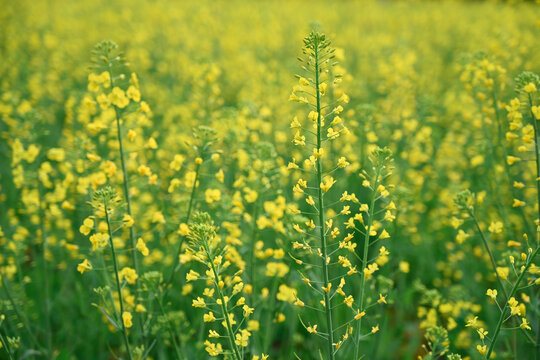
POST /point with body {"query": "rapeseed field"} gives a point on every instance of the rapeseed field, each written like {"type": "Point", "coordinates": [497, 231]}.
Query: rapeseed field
{"type": "Point", "coordinates": [269, 180]}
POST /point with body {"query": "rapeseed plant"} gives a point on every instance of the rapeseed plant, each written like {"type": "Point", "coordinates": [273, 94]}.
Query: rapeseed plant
{"type": "Point", "coordinates": [215, 78]}
{"type": "Point", "coordinates": [466, 202]}
{"type": "Point", "coordinates": [106, 93]}
{"type": "Point", "coordinates": [327, 126]}
{"type": "Point", "coordinates": [526, 86]}
{"type": "Point", "coordinates": [206, 247]}
{"type": "Point", "coordinates": [107, 58]}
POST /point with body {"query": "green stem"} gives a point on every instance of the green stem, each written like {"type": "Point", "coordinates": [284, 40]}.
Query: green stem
{"type": "Point", "coordinates": [118, 287]}
{"type": "Point", "coordinates": [322, 225]}
{"type": "Point", "coordinates": [128, 199]}
{"type": "Point", "coordinates": [505, 309]}
{"type": "Point", "coordinates": [365, 259]}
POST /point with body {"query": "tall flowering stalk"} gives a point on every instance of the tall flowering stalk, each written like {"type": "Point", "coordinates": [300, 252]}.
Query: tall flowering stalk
{"type": "Point", "coordinates": [106, 56]}
{"type": "Point", "coordinates": [485, 79]}
{"type": "Point", "coordinates": [378, 210]}
{"type": "Point", "coordinates": [525, 138]}
{"type": "Point", "coordinates": [114, 101]}
{"type": "Point", "coordinates": [310, 91]}
{"type": "Point", "coordinates": [118, 95]}
{"type": "Point", "coordinates": [527, 85]}
{"type": "Point", "coordinates": [319, 228]}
